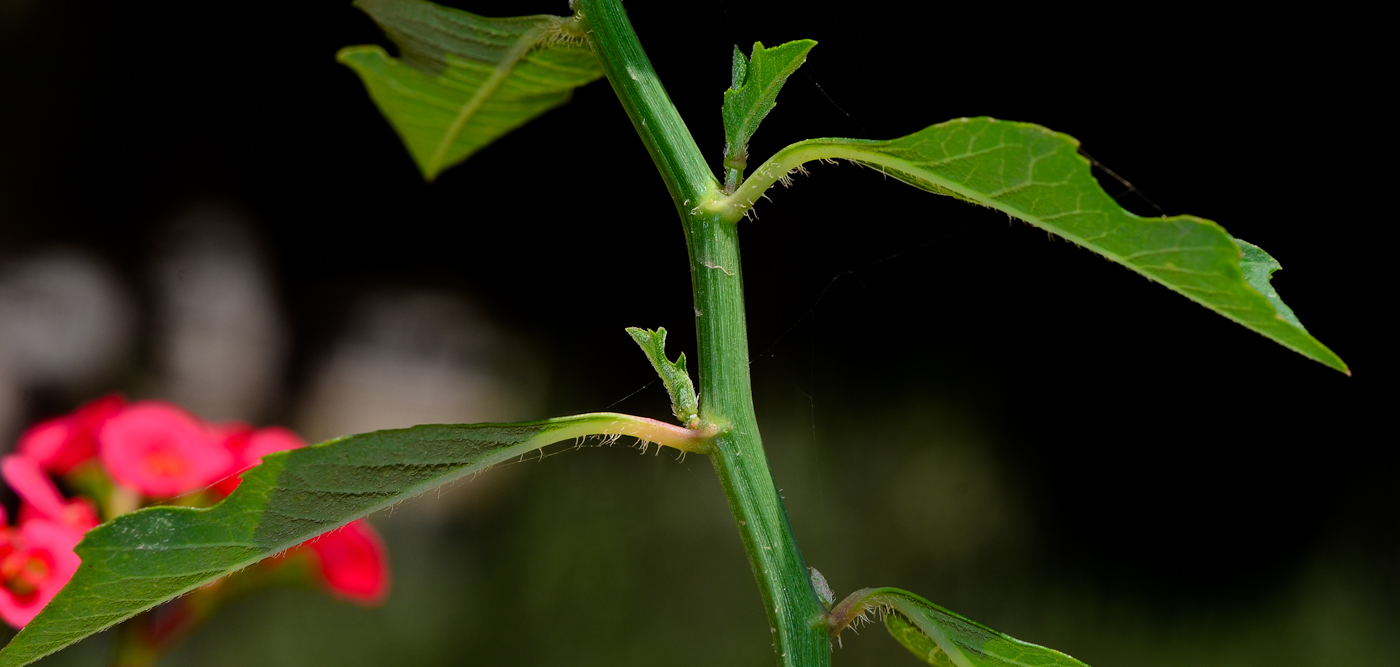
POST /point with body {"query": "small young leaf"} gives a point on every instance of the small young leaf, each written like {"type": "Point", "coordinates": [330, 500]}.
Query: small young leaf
{"type": "Point", "coordinates": [822, 588]}
{"type": "Point", "coordinates": [141, 559]}
{"type": "Point", "coordinates": [738, 70]}
{"type": "Point", "coordinates": [1038, 175]}
{"type": "Point", "coordinates": [684, 404]}
{"type": "Point", "coordinates": [754, 91]}
{"type": "Point", "coordinates": [940, 637]}
{"type": "Point", "coordinates": [461, 80]}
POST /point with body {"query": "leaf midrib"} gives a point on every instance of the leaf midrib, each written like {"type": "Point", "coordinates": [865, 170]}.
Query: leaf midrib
{"type": "Point", "coordinates": [498, 76]}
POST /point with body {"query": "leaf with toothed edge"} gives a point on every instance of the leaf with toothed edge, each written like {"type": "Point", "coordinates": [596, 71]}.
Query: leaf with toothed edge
{"type": "Point", "coordinates": [684, 403]}
{"type": "Point", "coordinates": [1039, 176]}
{"type": "Point", "coordinates": [141, 559]}
{"type": "Point", "coordinates": [1259, 268]}
{"type": "Point", "coordinates": [462, 81]}
{"type": "Point", "coordinates": [753, 91]}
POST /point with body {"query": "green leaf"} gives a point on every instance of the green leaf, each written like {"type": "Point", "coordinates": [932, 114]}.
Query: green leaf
{"type": "Point", "coordinates": [738, 69]}
{"type": "Point", "coordinates": [684, 403]}
{"type": "Point", "coordinates": [144, 558]}
{"type": "Point", "coordinates": [753, 92]}
{"type": "Point", "coordinates": [462, 80]}
{"type": "Point", "coordinates": [911, 637]}
{"type": "Point", "coordinates": [1259, 268]}
{"type": "Point", "coordinates": [940, 637]}
{"type": "Point", "coordinates": [1038, 175]}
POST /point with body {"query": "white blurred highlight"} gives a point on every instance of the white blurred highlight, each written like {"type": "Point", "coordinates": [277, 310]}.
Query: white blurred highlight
{"type": "Point", "coordinates": [65, 323]}
{"type": "Point", "coordinates": [220, 340]}
{"type": "Point", "coordinates": [418, 358]}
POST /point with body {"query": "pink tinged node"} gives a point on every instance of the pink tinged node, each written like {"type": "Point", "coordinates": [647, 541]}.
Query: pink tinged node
{"type": "Point", "coordinates": [162, 451]}
{"type": "Point", "coordinates": [353, 563]}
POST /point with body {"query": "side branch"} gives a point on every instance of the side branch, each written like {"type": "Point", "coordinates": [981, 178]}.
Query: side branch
{"type": "Point", "coordinates": [780, 167]}
{"type": "Point", "coordinates": [698, 441]}
{"type": "Point", "coordinates": [1039, 176]}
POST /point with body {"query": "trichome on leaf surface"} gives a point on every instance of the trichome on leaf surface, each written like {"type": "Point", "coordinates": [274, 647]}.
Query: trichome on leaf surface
{"type": "Point", "coordinates": [460, 81]}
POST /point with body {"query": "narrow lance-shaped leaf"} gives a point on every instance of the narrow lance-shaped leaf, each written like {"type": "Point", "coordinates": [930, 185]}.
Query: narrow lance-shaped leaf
{"type": "Point", "coordinates": [753, 92]}
{"type": "Point", "coordinates": [940, 637]}
{"type": "Point", "coordinates": [1038, 175]}
{"type": "Point", "coordinates": [144, 558]}
{"type": "Point", "coordinates": [462, 80]}
{"type": "Point", "coordinates": [684, 403]}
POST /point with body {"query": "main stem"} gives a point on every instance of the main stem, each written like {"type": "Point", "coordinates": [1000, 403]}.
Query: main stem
{"type": "Point", "coordinates": [795, 613]}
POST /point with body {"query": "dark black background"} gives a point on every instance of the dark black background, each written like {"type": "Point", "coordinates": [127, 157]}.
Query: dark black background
{"type": "Point", "coordinates": [1166, 448]}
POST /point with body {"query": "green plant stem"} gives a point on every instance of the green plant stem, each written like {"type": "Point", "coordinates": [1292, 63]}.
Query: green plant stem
{"type": "Point", "coordinates": [795, 613]}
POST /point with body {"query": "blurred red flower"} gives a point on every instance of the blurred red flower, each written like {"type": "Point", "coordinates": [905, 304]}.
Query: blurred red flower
{"type": "Point", "coordinates": [161, 451]}
{"type": "Point", "coordinates": [353, 562]}
{"type": "Point", "coordinates": [36, 560]}
{"type": "Point", "coordinates": [60, 444]}
{"type": "Point", "coordinates": [249, 446]}
{"type": "Point", "coordinates": [41, 498]}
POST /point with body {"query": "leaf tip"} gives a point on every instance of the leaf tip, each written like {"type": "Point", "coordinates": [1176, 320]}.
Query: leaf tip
{"type": "Point", "coordinates": [347, 55]}
{"type": "Point", "coordinates": [739, 70]}
{"type": "Point", "coordinates": [1336, 363]}
{"type": "Point", "coordinates": [427, 168]}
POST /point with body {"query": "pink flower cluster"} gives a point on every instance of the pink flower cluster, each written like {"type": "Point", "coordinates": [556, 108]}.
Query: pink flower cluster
{"type": "Point", "coordinates": [158, 452]}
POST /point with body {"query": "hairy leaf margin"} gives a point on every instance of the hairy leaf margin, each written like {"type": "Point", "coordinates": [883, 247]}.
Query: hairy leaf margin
{"type": "Point", "coordinates": [141, 559]}
{"type": "Point", "coordinates": [1039, 176]}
